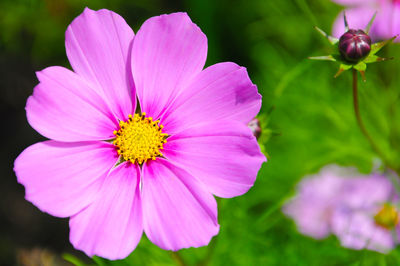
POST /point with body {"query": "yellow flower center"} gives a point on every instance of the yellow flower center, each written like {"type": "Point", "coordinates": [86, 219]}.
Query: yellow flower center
{"type": "Point", "coordinates": [387, 217]}
{"type": "Point", "coordinates": [139, 139]}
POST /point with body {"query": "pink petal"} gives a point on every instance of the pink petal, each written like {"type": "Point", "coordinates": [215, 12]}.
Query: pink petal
{"type": "Point", "coordinates": [63, 178]}
{"type": "Point", "coordinates": [311, 214]}
{"type": "Point", "coordinates": [316, 198]}
{"type": "Point", "coordinates": [178, 212]}
{"type": "Point", "coordinates": [98, 47]}
{"type": "Point", "coordinates": [223, 155]}
{"type": "Point", "coordinates": [357, 18]}
{"type": "Point", "coordinates": [387, 22]}
{"type": "Point", "coordinates": [64, 107]}
{"type": "Point", "coordinates": [111, 227]}
{"type": "Point", "coordinates": [222, 91]}
{"type": "Point", "coordinates": [357, 230]}
{"type": "Point", "coordinates": [395, 26]}
{"type": "Point", "coordinates": [354, 2]}
{"type": "Point", "coordinates": [168, 51]}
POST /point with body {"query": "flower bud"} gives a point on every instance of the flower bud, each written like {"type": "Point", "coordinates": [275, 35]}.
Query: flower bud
{"type": "Point", "coordinates": [354, 45]}
{"type": "Point", "coordinates": [255, 127]}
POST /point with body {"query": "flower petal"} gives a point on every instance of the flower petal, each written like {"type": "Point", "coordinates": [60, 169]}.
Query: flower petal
{"type": "Point", "coordinates": [178, 212]}
{"type": "Point", "coordinates": [168, 51]}
{"type": "Point", "coordinates": [63, 178]}
{"type": "Point", "coordinates": [225, 156]}
{"type": "Point", "coordinates": [353, 2]}
{"type": "Point", "coordinates": [358, 230]}
{"type": "Point", "coordinates": [64, 107]}
{"type": "Point", "coordinates": [222, 91]}
{"type": "Point", "coordinates": [98, 45]}
{"type": "Point", "coordinates": [111, 227]}
{"type": "Point", "coordinates": [387, 22]}
{"type": "Point", "coordinates": [357, 18]}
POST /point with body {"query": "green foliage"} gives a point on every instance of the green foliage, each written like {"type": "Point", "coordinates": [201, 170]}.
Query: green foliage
{"type": "Point", "coordinates": [313, 115]}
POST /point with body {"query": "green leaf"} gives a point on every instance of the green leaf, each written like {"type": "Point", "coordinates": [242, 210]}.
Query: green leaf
{"type": "Point", "coordinates": [379, 45]}
{"type": "Point", "coordinates": [72, 259]}
{"type": "Point", "coordinates": [346, 24]}
{"type": "Point", "coordinates": [374, 58]}
{"type": "Point", "coordinates": [331, 39]}
{"type": "Point", "coordinates": [371, 59]}
{"type": "Point", "coordinates": [323, 58]}
{"type": "Point", "coordinates": [361, 66]}
{"type": "Point", "coordinates": [343, 67]}
{"type": "Point", "coordinates": [370, 23]}
{"type": "Point", "coordinates": [99, 261]}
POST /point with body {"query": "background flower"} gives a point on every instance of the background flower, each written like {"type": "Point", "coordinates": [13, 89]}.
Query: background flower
{"type": "Point", "coordinates": [354, 220]}
{"type": "Point", "coordinates": [362, 211]}
{"type": "Point", "coordinates": [358, 13]}
{"type": "Point", "coordinates": [315, 201]}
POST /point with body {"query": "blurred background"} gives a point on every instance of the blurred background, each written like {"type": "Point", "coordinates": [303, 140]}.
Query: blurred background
{"type": "Point", "coordinates": [310, 123]}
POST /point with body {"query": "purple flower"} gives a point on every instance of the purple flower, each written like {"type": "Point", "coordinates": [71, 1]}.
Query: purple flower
{"type": "Point", "coordinates": [360, 210]}
{"type": "Point", "coordinates": [366, 216]}
{"type": "Point", "coordinates": [118, 169]}
{"type": "Point", "coordinates": [359, 12]}
{"type": "Point", "coordinates": [314, 202]}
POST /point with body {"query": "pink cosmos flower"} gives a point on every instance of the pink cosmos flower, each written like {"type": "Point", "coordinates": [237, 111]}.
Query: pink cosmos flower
{"type": "Point", "coordinates": [359, 12]}
{"type": "Point", "coordinates": [118, 169]}
{"type": "Point", "coordinates": [316, 198]}
{"type": "Point", "coordinates": [360, 210]}
{"type": "Point", "coordinates": [367, 216]}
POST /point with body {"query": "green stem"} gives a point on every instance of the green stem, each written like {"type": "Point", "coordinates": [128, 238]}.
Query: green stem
{"type": "Point", "coordinates": [177, 258]}
{"type": "Point", "coordinates": [276, 207]}
{"type": "Point", "coordinates": [210, 250]}
{"type": "Point", "coordinates": [360, 123]}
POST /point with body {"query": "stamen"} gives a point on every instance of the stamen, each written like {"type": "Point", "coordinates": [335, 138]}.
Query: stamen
{"type": "Point", "coordinates": [139, 139]}
{"type": "Point", "coordinates": [387, 217]}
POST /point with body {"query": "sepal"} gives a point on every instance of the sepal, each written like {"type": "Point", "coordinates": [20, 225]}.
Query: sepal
{"type": "Point", "coordinates": [344, 64]}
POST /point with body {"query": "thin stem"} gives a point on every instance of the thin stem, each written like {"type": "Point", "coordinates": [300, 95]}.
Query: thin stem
{"type": "Point", "coordinates": [205, 261]}
{"type": "Point", "coordinates": [177, 258]}
{"type": "Point", "coordinates": [276, 207]}
{"type": "Point", "coordinates": [360, 123]}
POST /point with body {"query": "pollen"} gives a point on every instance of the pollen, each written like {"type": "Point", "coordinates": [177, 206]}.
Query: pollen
{"type": "Point", "coordinates": [387, 217]}
{"type": "Point", "coordinates": [140, 139]}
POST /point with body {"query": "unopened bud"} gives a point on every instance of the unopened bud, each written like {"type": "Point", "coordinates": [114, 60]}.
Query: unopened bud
{"type": "Point", "coordinates": [354, 45]}
{"type": "Point", "coordinates": [255, 127]}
